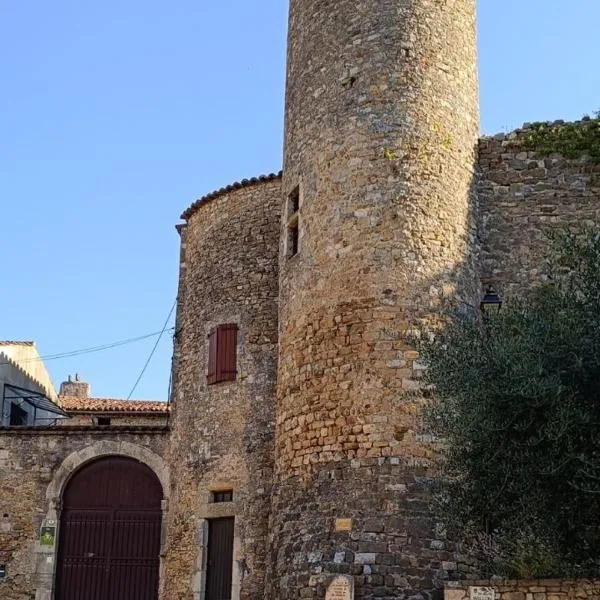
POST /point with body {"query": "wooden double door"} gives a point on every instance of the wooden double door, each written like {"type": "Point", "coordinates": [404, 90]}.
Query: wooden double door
{"type": "Point", "coordinates": [110, 532]}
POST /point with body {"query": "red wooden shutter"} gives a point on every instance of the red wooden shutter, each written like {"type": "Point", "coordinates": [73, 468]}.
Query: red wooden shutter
{"type": "Point", "coordinates": [212, 357]}
{"type": "Point", "coordinates": [227, 352]}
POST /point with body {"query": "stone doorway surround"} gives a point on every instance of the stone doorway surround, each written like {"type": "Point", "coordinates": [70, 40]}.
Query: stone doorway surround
{"type": "Point", "coordinates": [208, 510]}
{"type": "Point", "coordinates": [45, 556]}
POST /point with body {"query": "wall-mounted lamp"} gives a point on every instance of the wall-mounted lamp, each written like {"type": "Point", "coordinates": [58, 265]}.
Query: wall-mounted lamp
{"type": "Point", "coordinates": [491, 302]}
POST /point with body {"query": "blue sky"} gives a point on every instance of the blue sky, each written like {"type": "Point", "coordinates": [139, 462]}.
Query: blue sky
{"type": "Point", "coordinates": [115, 116]}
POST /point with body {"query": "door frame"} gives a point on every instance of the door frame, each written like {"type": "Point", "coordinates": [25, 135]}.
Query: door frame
{"type": "Point", "coordinates": [46, 556]}
{"type": "Point", "coordinates": [199, 588]}
{"type": "Point", "coordinates": [208, 510]}
{"type": "Point", "coordinates": [211, 554]}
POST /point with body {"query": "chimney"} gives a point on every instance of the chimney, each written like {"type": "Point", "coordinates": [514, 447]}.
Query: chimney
{"type": "Point", "coordinates": [76, 388]}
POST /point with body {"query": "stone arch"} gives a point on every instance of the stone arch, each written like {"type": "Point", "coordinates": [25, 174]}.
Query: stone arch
{"type": "Point", "coordinates": [46, 555]}
{"type": "Point", "coordinates": [77, 459]}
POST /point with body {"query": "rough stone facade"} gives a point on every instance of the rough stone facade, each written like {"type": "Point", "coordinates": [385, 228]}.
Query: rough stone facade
{"type": "Point", "coordinates": [381, 135]}
{"type": "Point", "coordinates": [74, 388]}
{"type": "Point", "coordinates": [521, 196]}
{"type": "Point", "coordinates": [35, 464]}
{"type": "Point", "coordinates": [387, 206]}
{"type": "Point", "coordinates": [534, 589]}
{"type": "Point", "coordinates": [222, 434]}
{"type": "Point", "coordinates": [117, 420]}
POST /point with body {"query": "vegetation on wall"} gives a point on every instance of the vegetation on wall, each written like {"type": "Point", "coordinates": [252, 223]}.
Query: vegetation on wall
{"type": "Point", "coordinates": [517, 402]}
{"type": "Point", "coordinates": [572, 140]}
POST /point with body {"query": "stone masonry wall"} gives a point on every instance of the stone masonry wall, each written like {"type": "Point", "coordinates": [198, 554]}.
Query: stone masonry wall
{"type": "Point", "coordinates": [381, 133]}
{"type": "Point", "coordinates": [523, 194]}
{"type": "Point", "coordinates": [222, 434]}
{"type": "Point", "coordinates": [542, 589]}
{"type": "Point", "coordinates": [117, 419]}
{"type": "Point", "coordinates": [29, 461]}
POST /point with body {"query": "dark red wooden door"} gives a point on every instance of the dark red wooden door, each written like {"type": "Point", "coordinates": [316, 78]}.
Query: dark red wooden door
{"type": "Point", "coordinates": [220, 559]}
{"type": "Point", "coordinates": [109, 541]}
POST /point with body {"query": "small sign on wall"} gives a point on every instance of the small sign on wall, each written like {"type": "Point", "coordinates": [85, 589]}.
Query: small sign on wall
{"type": "Point", "coordinates": [343, 524]}
{"type": "Point", "coordinates": [340, 587]}
{"type": "Point", "coordinates": [481, 593]}
{"type": "Point", "coordinates": [48, 533]}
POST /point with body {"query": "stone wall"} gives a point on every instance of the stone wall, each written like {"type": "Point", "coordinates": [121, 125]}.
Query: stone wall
{"type": "Point", "coordinates": [34, 466]}
{"type": "Point", "coordinates": [523, 194]}
{"type": "Point", "coordinates": [381, 133]}
{"type": "Point", "coordinates": [75, 388]}
{"type": "Point", "coordinates": [535, 589]}
{"type": "Point", "coordinates": [222, 434]}
{"type": "Point", "coordinates": [117, 419]}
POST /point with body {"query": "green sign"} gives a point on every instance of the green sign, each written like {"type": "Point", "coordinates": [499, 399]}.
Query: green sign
{"type": "Point", "coordinates": [48, 535]}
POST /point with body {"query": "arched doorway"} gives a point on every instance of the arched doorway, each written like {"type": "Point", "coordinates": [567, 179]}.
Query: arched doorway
{"type": "Point", "coordinates": [109, 540]}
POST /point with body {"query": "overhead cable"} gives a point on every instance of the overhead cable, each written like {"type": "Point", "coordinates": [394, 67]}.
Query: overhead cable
{"type": "Point", "coordinates": [152, 351]}
{"type": "Point", "coordinates": [91, 349]}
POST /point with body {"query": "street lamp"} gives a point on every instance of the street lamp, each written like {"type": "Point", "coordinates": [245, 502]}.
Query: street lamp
{"type": "Point", "coordinates": [491, 302]}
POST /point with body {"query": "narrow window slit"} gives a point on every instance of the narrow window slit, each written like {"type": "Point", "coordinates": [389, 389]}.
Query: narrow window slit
{"type": "Point", "coordinates": [293, 222]}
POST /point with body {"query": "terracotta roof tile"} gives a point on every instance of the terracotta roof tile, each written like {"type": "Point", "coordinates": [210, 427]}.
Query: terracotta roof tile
{"type": "Point", "coordinates": [224, 190]}
{"type": "Point", "coordinates": [14, 343]}
{"type": "Point", "coordinates": [74, 404]}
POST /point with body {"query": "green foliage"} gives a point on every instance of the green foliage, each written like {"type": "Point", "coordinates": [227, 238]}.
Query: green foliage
{"type": "Point", "coordinates": [517, 403]}
{"type": "Point", "coordinates": [522, 554]}
{"type": "Point", "coordinates": [572, 140]}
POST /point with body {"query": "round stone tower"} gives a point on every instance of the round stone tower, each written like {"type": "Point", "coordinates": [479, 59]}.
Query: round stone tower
{"type": "Point", "coordinates": [381, 131]}
{"type": "Point", "coordinates": [223, 400]}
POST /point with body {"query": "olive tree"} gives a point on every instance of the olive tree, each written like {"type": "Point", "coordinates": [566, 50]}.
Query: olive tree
{"type": "Point", "coordinates": [516, 404]}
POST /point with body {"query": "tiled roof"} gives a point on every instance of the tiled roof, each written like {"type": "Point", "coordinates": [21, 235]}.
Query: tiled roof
{"type": "Point", "coordinates": [74, 404]}
{"type": "Point", "coordinates": [13, 343]}
{"type": "Point", "coordinates": [224, 190]}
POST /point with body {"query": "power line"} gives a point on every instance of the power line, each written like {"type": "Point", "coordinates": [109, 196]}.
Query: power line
{"type": "Point", "coordinates": [91, 349]}
{"type": "Point", "coordinates": [152, 351]}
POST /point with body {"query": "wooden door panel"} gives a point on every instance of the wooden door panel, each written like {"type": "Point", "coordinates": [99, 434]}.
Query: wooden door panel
{"type": "Point", "coordinates": [109, 540]}
{"type": "Point", "coordinates": [85, 533]}
{"type": "Point", "coordinates": [136, 535]}
{"type": "Point", "coordinates": [220, 559]}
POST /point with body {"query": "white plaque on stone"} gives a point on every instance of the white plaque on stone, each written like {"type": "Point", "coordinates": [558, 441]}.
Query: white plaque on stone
{"type": "Point", "coordinates": [481, 593]}
{"type": "Point", "coordinates": [340, 588]}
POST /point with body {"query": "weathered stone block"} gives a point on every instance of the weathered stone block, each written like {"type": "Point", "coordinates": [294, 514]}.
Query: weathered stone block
{"type": "Point", "coordinates": [365, 558]}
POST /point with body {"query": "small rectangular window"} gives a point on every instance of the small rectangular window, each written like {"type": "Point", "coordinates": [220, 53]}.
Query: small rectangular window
{"type": "Point", "coordinates": [104, 421]}
{"type": "Point", "coordinates": [222, 496]}
{"type": "Point", "coordinates": [18, 416]}
{"type": "Point", "coordinates": [222, 353]}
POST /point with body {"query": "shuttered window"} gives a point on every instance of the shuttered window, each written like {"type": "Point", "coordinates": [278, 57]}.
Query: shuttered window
{"type": "Point", "coordinates": [212, 357]}
{"type": "Point", "coordinates": [222, 353]}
